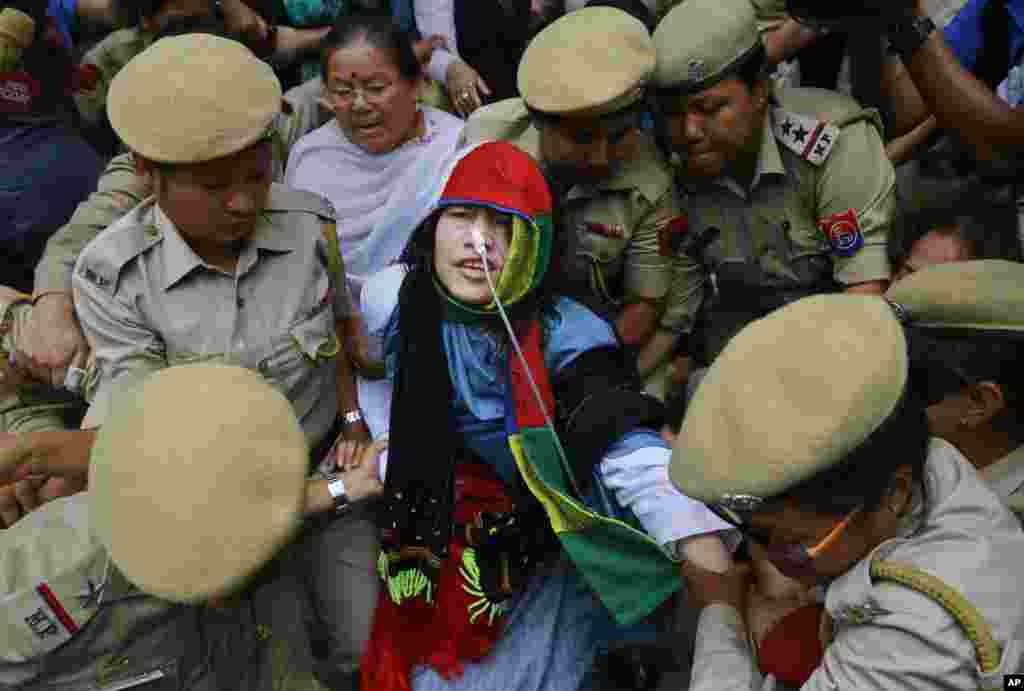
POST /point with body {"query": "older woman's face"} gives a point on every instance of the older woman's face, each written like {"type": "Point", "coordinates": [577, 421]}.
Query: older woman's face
{"type": "Point", "coordinates": [373, 103]}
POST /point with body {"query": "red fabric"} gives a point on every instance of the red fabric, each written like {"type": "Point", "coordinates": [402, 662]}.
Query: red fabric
{"type": "Point", "coordinates": [792, 650]}
{"type": "Point", "coordinates": [438, 634]}
{"type": "Point", "coordinates": [528, 413]}
{"type": "Point", "coordinates": [499, 174]}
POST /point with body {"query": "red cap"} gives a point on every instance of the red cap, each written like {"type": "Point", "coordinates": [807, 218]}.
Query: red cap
{"type": "Point", "coordinates": [498, 174]}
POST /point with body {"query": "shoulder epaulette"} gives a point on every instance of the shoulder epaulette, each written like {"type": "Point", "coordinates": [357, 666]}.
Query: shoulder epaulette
{"type": "Point", "coordinates": [809, 138]}
{"type": "Point", "coordinates": [105, 257]}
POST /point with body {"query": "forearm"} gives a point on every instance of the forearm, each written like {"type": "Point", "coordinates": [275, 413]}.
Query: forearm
{"type": "Point", "coordinates": [635, 469]}
{"type": "Point", "coordinates": [345, 381]}
{"type": "Point", "coordinates": [787, 40]}
{"type": "Point", "coordinates": [293, 43]}
{"type": "Point", "coordinates": [657, 349]}
{"type": "Point", "coordinates": [868, 288]}
{"type": "Point", "coordinates": [907, 108]}
{"type": "Point", "coordinates": [961, 102]}
{"type": "Point", "coordinates": [722, 658]}
{"type": "Point", "coordinates": [903, 148]}
{"type": "Point", "coordinates": [100, 12]}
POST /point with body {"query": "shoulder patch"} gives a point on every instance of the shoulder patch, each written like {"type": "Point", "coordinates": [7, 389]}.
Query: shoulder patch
{"type": "Point", "coordinates": [843, 232]}
{"type": "Point", "coordinates": [807, 137]}
{"type": "Point", "coordinates": [101, 264]}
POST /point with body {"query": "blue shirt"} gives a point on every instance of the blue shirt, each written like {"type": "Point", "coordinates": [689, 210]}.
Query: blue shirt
{"type": "Point", "coordinates": [65, 14]}
{"type": "Point", "coordinates": [964, 33]}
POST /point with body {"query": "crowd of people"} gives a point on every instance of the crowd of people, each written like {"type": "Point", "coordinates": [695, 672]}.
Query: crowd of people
{"type": "Point", "coordinates": [540, 345]}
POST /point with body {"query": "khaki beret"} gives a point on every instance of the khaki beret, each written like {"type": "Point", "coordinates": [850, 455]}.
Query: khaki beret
{"type": "Point", "coordinates": [791, 395]}
{"type": "Point", "coordinates": [981, 294]}
{"type": "Point", "coordinates": [701, 41]}
{"type": "Point", "coordinates": [197, 479]}
{"type": "Point", "coordinates": [588, 63]}
{"type": "Point", "coordinates": [17, 26]}
{"type": "Point", "coordinates": [193, 98]}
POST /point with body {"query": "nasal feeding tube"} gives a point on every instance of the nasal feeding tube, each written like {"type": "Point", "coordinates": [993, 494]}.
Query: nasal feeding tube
{"type": "Point", "coordinates": [480, 245]}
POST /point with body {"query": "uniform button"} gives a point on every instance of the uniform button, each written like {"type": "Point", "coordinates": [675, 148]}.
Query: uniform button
{"type": "Point", "coordinates": [240, 302]}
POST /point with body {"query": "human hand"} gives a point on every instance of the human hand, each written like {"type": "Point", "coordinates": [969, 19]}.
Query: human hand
{"type": "Point", "coordinates": [63, 454]}
{"type": "Point", "coordinates": [245, 23]}
{"type": "Point", "coordinates": [424, 48]}
{"type": "Point", "coordinates": [20, 498]}
{"type": "Point", "coordinates": [51, 341]}
{"type": "Point", "coordinates": [706, 587]}
{"type": "Point", "coordinates": [358, 465]}
{"type": "Point", "coordinates": [465, 87]}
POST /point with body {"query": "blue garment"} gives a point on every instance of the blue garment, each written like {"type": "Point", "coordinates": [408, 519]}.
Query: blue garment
{"type": "Point", "coordinates": [964, 33]}
{"type": "Point", "coordinates": [48, 170]}
{"type": "Point", "coordinates": [557, 626]}
{"type": "Point", "coordinates": [405, 15]}
{"type": "Point", "coordinates": [65, 15]}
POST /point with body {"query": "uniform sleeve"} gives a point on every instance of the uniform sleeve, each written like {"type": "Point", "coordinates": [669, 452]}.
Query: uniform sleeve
{"type": "Point", "coordinates": [722, 659]}
{"type": "Point", "coordinates": [119, 191]}
{"type": "Point", "coordinates": [635, 469]}
{"type": "Point", "coordinates": [685, 294]}
{"type": "Point", "coordinates": [305, 117]}
{"type": "Point", "coordinates": [124, 347]}
{"type": "Point", "coordinates": [647, 272]}
{"type": "Point", "coordinates": [858, 176]}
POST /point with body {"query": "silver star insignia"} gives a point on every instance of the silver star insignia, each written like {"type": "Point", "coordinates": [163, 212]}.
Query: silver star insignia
{"type": "Point", "coordinates": [91, 597]}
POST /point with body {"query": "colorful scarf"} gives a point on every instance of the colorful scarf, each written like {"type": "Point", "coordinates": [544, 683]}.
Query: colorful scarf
{"type": "Point", "coordinates": [444, 598]}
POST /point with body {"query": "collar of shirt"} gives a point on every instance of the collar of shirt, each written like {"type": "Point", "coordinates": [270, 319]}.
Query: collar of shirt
{"type": "Point", "coordinates": [1006, 476]}
{"type": "Point", "coordinates": [181, 259]}
{"type": "Point", "coordinates": [850, 597]}
{"type": "Point", "coordinates": [769, 161]}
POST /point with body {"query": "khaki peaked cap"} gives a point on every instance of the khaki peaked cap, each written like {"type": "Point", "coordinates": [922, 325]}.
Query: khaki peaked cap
{"type": "Point", "coordinates": [193, 98]}
{"type": "Point", "coordinates": [590, 62]}
{"type": "Point", "coordinates": [791, 395]}
{"type": "Point", "coordinates": [700, 41]}
{"type": "Point", "coordinates": [197, 479]}
{"type": "Point", "coordinates": [17, 26]}
{"type": "Point", "coordinates": [980, 294]}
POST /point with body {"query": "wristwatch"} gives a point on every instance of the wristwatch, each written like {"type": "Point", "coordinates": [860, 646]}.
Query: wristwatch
{"type": "Point", "coordinates": [336, 488]}
{"type": "Point", "coordinates": [351, 417]}
{"type": "Point", "coordinates": [907, 35]}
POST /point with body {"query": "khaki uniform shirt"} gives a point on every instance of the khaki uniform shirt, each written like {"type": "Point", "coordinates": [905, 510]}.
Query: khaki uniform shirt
{"type": "Point", "coordinates": [774, 233]}
{"type": "Point", "coordinates": [616, 223]}
{"type": "Point", "coordinates": [147, 301]}
{"type": "Point", "coordinates": [121, 190]}
{"type": "Point", "coordinates": [888, 637]}
{"type": "Point", "coordinates": [1006, 478]}
{"type": "Point", "coordinates": [128, 639]}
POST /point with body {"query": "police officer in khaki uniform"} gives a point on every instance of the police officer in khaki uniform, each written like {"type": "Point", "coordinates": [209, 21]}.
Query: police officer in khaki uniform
{"type": "Point", "coordinates": [790, 190]}
{"type": "Point", "coordinates": [838, 484]}
{"type": "Point", "coordinates": [583, 81]}
{"type": "Point", "coordinates": [967, 343]}
{"type": "Point", "coordinates": [223, 264]}
{"type": "Point", "coordinates": [155, 578]}
{"type": "Point", "coordinates": [53, 395]}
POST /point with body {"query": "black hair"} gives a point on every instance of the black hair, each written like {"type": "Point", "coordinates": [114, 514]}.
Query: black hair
{"type": "Point", "coordinates": [634, 8]}
{"type": "Point", "coordinates": [945, 360]}
{"type": "Point", "coordinates": [179, 25]}
{"type": "Point", "coordinates": [379, 30]}
{"type": "Point", "coordinates": [133, 12]}
{"type": "Point", "coordinates": [864, 477]}
{"type": "Point", "coordinates": [987, 230]}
